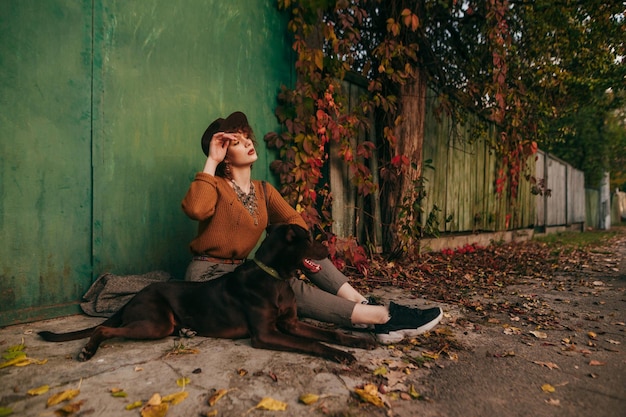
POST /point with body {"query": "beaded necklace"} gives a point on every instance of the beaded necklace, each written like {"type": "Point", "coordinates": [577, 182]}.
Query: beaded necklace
{"type": "Point", "coordinates": [248, 200]}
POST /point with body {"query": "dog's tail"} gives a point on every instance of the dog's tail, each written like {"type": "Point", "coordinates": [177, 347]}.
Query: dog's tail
{"type": "Point", "coordinates": [64, 337]}
{"type": "Point", "coordinates": [113, 321]}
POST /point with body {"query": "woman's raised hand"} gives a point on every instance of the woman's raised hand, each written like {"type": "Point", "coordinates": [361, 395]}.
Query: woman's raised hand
{"type": "Point", "coordinates": [219, 145]}
{"type": "Point", "coordinates": [217, 150]}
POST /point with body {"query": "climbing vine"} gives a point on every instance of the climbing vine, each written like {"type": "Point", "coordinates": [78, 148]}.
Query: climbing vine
{"type": "Point", "coordinates": [511, 67]}
{"type": "Point", "coordinates": [314, 112]}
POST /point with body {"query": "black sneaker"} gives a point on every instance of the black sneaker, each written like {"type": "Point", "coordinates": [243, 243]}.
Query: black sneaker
{"type": "Point", "coordinates": [406, 322]}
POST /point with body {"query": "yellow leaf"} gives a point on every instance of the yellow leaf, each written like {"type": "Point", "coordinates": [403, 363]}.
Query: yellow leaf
{"type": "Point", "coordinates": [548, 388]}
{"type": "Point", "coordinates": [119, 394]}
{"type": "Point", "coordinates": [5, 411]}
{"type": "Point", "coordinates": [28, 361]}
{"type": "Point", "coordinates": [216, 396]}
{"type": "Point", "coordinates": [413, 393]}
{"type": "Point", "coordinates": [271, 404]}
{"type": "Point", "coordinates": [155, 399]}
{"type": "Point", "coordinates": [430, 355]}
{"type": "Point", "coordinates": [39, 390]}
{"type": "Point", "coordinates": [176, 397]}
{"type": "Point", "coordinates": [182, 382]}
{"type": "Point", "coordinates": [15, 360]}
{"type": "Point", "coordinates": [62, 396]}
{"type": "Point", "coordinates": [134, 405]}
{"type": "Point", "coordinates": [592, 335]}
{"type": "Point", "coordinates": [319, 58]}
{"type": "Point", "coordinates": [369, 393]}
{"type": "Point", "coordinates": [158, 410]}
{"type": "Point", "coordinates": [308, 399]}
{"type": "Point", "coordinates": [381, 371]}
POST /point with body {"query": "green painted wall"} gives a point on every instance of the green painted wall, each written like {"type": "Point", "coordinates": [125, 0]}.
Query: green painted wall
{"type": "Point", "coordinates": [102, 107]}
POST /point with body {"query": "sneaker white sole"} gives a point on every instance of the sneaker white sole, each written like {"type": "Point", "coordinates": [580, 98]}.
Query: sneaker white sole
{"type": "Point", "coordinates": [399, 335]}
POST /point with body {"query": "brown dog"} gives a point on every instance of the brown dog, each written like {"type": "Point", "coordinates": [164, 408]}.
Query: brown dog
{"type": "Point", "coordinates": [254, 300]}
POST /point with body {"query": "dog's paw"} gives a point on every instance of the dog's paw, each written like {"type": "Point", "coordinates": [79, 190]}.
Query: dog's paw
{"type": "Point", "coordinates": [85, 355]}
{"type": "Point", "coordinates": [185, 332]}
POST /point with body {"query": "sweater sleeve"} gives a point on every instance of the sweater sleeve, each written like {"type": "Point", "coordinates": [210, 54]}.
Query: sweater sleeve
{"type": "Point", "coordinates": [201, 198]}
{"type": "Point", "coordinates": [279, 211]}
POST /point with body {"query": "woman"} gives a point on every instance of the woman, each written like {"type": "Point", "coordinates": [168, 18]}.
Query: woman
{"type": "Point", "coordinates": [232, 213]}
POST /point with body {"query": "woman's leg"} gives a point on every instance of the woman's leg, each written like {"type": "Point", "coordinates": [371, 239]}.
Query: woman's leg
{"type": "Point", "coordinates": [317, 304]}
{"type": "Point", "coordinates": [331, 280]}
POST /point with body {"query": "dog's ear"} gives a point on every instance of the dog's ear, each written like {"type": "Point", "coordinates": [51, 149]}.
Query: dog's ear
{"type": "Point", "coordinates": [270, 228]}
{"type": "Point", "coordinates": [296, 232]}
{"type": "Point", "coordinates": [290, 235]}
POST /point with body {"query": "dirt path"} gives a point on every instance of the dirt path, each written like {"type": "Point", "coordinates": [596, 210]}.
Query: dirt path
{"type": "Point", "coordinates": [562, 354]}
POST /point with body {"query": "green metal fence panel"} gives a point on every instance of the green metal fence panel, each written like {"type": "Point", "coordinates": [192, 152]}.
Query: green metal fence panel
{"type": "Point", "coordinates": [103, 104]}
{"type": "Point", "coordinates": [45, 157]}
{"type": "Point", "coordinates": [169, 69]}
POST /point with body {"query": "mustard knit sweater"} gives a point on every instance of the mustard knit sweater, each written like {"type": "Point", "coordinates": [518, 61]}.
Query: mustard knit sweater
{"type": "Point", "coordinates": [226, 229]}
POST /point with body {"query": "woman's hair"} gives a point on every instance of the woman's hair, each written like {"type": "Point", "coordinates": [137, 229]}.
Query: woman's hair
{"type": "Point", "coordinates": [223, 168]}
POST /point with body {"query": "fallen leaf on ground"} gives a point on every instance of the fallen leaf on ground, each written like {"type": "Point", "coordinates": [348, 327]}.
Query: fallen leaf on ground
{"type": "Point", "coordinates": [62, 396]}
{"type": "Point", "coordinates": [512, 330]}
{"type": "Point", "coordinates": [596, 363]}
{"type": "Point", "coordinates": [613, 342]}
{"type": "Point", "coordinates": [176, 397]}
{"type": "Point", "coordinates": [552, 401]}
{"type": "Point", "coordinates": [13, 354]}
{"type": "Point", "coordinates": [182, 382]}
{"type": "Point", "coordinates": [271, 404]}
{"type": "Point", "coordinates": [369, 393]}
{"type": "Point", "coordinates": [413, 393]}
{"type": "Point", "coordinates": [155, 407]}
{"type": "Point", "coordinates": [308, 399]}
{"type": "Point", "coordinates": [216, 396]}
{"type": "Point", "coordinates": [382, 370]}
{"type": "Point", "coordinates": [592, 335]}
{"type": "Point", "coordinates": [134, 405]}
{"type": "Point", "coordinates": [118, 393]}
{"type": "Point", "coordinates": [38, 391]}
{"type": "Point", "coordinates": [539, 335]}
{"type": "Point", "coordinates": [5, 411]}
{"type": "Point", "coordinates": [547, 388]}
{"type": "Point", "coordinates": [159, 410]}
{"type": "Point", "coordinates": [549, 365]}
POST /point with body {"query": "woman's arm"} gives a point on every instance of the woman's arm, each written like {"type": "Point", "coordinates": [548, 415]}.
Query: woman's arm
{"type": "Point", "coordinates": [201, 198]}
{"type": "Point", "coordinates": [279, 211]}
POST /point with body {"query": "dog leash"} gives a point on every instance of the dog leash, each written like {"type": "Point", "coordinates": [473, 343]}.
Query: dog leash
{"type": "Point", "coordinates": [268, 269]}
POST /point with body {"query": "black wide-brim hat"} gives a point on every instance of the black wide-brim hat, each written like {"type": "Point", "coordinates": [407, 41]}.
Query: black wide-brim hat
{"type": "Point", "coordinates": [236, 121]}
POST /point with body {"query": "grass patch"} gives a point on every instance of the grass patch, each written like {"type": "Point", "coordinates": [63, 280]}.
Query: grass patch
{"type": "Point", "coordinates": [578, 240]}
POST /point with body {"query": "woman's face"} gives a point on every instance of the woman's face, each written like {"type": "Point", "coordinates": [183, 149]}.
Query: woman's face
{"type": "Point", "coordinates": [241, 151]}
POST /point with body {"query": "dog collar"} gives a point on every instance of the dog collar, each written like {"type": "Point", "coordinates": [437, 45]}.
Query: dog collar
{"type": "Point", "coordinates": [268, 269]}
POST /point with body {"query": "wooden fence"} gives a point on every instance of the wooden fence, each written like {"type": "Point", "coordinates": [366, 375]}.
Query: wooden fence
{"type": "Point", "coordinates": [564, 203]}
{"type": "Point", "coordinates": [460, 186]}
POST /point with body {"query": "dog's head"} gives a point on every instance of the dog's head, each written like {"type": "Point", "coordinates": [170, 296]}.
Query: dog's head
{"type": "Point", "coordinates": [287, 246]}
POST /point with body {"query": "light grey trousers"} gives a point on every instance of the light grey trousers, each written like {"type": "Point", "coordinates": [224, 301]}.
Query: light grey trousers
{"type": "Point", "coordinates": [319, 302]}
